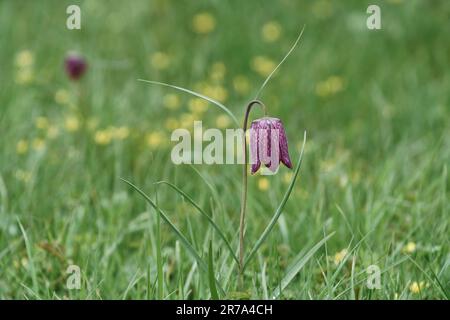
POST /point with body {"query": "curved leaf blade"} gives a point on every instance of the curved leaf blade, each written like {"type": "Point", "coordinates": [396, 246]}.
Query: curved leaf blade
{"type": "Point", "coordinates": [199, 95]}
{"type": "Point", "coordinates": [279, 209]}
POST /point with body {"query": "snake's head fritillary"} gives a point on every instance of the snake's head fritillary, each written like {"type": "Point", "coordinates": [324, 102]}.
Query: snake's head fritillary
{"type": "Point", "coordinates": [75, 66]}
{"type": "Point", "coordinates": [268, 144]}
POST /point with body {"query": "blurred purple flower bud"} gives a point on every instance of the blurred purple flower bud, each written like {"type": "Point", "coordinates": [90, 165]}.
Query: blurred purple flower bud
{"type": "Point", "coordinates": [268, 144]}
{"type": "Point", "coordinates": [75, 66]}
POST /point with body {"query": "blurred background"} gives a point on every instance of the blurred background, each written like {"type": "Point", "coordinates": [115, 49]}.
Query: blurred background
{"type": "Point", "coordinates": [375, 105]}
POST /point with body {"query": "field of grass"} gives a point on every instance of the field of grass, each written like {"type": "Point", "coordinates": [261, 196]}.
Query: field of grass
{"type": "Point", "coordinates": [375, 105]}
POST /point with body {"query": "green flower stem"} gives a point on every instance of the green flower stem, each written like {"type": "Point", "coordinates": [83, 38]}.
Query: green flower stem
{"type": "Point", "coordinates": [244, 184]}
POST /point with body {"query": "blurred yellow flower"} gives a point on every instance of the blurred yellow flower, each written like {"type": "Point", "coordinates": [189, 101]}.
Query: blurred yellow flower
{"type": "Point", "coordinates": [263, 184]}
{"type": "Point", "coordinates": [155, 139]}
{"type": "Point", "coordinates": [322, 8]}
{"type": "Point", "coordinates": [203, 23]}
{"type": "Point", "coordinates": [160, 60]}
{"type": "Point", "coordinates": [24, 59]}
{"type": "Point", "coordinates": [339, 256]}
{"type": "Point", "coordinates": [38, 144]}
{"type": "Point", "coordinates": [72, 123]}
{"type": "Point", "coordinates": [215, 92]}
{"type": "Point", "coordinates": [187, 120]}
{"type": "Point", "coordinates": [330, 86]}
{"type": "Point", "coordinates": [410, 247]}
{"type": "Point", "coordinates": [103, 137]}
{"type": "Point", "coordinates": [52, 132]}
{"type": "Point", "coordinates": [24, 76]}
{"type": "Point", "coordinates": [271, 31]}
{"type": "Point", "coordinates": [417, 287]}
{"type": "Point", "coordinates": [223, 121]}
{"type": "Point", "coordinates": [198, 105]}
{"type": "Point", "coordinates": [287, 177]}
{"type": "Point", "coordinates": [171, 101]}
{"type": "Point", "coordinates": [120, 133]}
{"type": "Point", "coordinates": [263, 65]}
{"type": "Point", "coordinates": [241, 84]}
{"type": "Point", "coordinates": [218, 71]}
{"type": "Point", "coordinates": [24, 176]}
{"type": "Point", "coordinates": [172, 124]}
{"type": "Point", "coordinates": [22, 146]}
{"type": "Point", "coordinates": [62, 96]}
{"type": "Point", "coordinates": [41, 123]}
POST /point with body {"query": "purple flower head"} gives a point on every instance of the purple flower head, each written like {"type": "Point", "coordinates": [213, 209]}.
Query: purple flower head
{"type": "Point", "coordinates": [268, 144]}
{"type": "Point", "coordinates": [75, 66]}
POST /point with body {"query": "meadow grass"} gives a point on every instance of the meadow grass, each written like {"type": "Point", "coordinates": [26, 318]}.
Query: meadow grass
{"type": "Point", "coordinates": [373, 182]}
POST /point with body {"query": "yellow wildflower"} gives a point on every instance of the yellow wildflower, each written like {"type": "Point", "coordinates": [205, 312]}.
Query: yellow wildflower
{"type": "Point", "coordinates": [22, 175]}
{"type": "Point", "coordinates": [172, 124]}
{"type": "Point", "coordinates": [263, 65]}
{"type": "Point", "coordinates": [339, 256]}
{"type": "Point", "coordinates": [287, 177]}
{"type": "Point", "coordinates": [160, 60]}
{"type": "Point", "coordinates": [22, 146]}
{"type": "Point", "coordinates": [52, 132]}
{"type": "Point", "coordinates": [417, 287]}
{"type": "Point", "coordinates": [198, 105]}
{"type": "Point", "coordinates": [263, 184]}
{"type": "Point", "coordinates": [171, 101]}
{"type": "Point", "coordinates": [223, 121]}
{"type": "Point", "coordinates": [103, 137]}
{"type": "Point", "coordinates": [155, 139]}
{"type": "Point", "coordinates": [241, 84]}
{"type": "Point", "coordinates": [24, 76]}
{"type": "Point", "coordinates": [271, 31]}
{"type": "Point", "coordinates": [62, 97]}
{"type": "Point", "coordinates": [120, 133]}
{"type": "Point", "coordinates": [72, 124]}
{"type": "Point", "coordinates": [330, 86]}
{"type": "Point", "coordinates": [217, 92]}
{"type": "Point", "coordinates": [187, 120]}
{"type": "Point", "coordinates": [410, 247]}
{"type": "Point", "coordinates": [38, 144]}
{"type": "Point", "coordinates": [203, 23]}
{"type": "Point", "coordinates": [24, 59]}
{"type": "Point", "coordinates": [322, 8]}
{"type": "Point", "coordinates": [218, 71]}
{"type": "Point", "coordinates": [41, 123]}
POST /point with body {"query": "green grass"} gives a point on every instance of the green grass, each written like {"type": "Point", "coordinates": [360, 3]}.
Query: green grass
{"type": "Point", "coordinates": [375, 105]}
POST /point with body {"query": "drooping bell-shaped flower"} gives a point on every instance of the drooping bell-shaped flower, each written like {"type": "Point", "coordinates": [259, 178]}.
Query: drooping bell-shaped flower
{"type": "Point", "coordinates": [268, 144]}
{"type": "Point", "coordinates": [75, 66]}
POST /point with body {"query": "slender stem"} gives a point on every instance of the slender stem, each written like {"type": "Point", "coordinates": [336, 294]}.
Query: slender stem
{"type": "Point", "coordinates": [244, 184]}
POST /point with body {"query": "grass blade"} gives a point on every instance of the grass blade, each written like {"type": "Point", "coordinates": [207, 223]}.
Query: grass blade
{"type": "Point", "coordinates": [210, 220]}
{"type": "Point", "coordinates": [211, 278]}
{"type": "Point", "coordinates": [177, 232]}
{"type": "Point", "coordinates": [30, 257]}
{"type": "Point", "coordinates": [159, 262]}
{"type": "Point", "coordinates": [199, 95]}
{"type": "Point", "coordinates": [281, 62]}
{"type": "Point", "coordinates": [297, 265]}
{"type": "Point", "coordinates": [279, 209]}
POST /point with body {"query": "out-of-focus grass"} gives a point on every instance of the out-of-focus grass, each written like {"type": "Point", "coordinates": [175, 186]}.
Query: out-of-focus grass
{"type": "Point", "coordinates": [375, 105]}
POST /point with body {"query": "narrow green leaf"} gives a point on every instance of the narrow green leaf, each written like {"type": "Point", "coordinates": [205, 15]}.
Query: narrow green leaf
{"type": "Point", "coordinates": [210, 220]}
{"type": "Point", "coordinates": [281, 62]}
{"type": "Point", "coordinates": [30, 257]}
{"type": "Point", "coordinates": [159, 262]}
{"type": "Point", "coordinates": [177, 232]}
{"type": "Point", "coordinates": [279, 209]}
{"type": "Point", "coordinates": [297, 265]}
{"type": "Point", "coordinates": [199, 95]}
{"type": "Point", "coordinates": [212, 279]}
